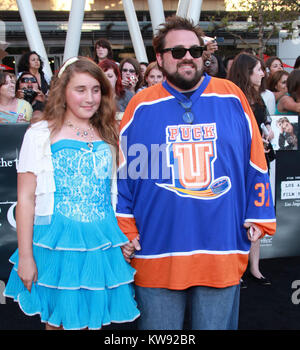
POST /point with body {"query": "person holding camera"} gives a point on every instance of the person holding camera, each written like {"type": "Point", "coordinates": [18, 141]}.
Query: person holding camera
{"type": "Point", "coordinates": [33, 63]}
{"type": "Point", "coordinates": [27, 88]}
{"type": "Point", "coordinates": [131, 74]}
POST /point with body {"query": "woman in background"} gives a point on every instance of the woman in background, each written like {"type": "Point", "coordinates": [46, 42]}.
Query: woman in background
{"type": "Point", "coordinates": [247, 73]}
{"type": "Point", "coordinates": [31, 62]}
{"type": "Point", "coordinates": [12, 109]}
{"type": "Point", "coordinates": [273, 64]}
{"type": "Point", "coordinates": [153, 75]}
{"type": "Point", "coordinates": [102, 50]}
{"type": "Point", "coordinates": [290, 102]}
{"type": "Point", "coordinates": [122, 96]}
{"type": "Point", "coordinates": [277, 83]}
{"type": "Point", "coordinates": [132, 77]}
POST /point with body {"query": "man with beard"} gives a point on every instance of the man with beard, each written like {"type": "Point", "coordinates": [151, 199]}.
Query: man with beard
{"type": "Point", "coordinates": [193, 188]}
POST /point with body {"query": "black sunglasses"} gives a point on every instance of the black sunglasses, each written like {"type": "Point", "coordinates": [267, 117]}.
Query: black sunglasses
{"type": "Point", "coordinates": [28, 80]}
{"type": "Point", "coordinates": [180, 52]}
{"type": "Point", "coordinates": [125, 70]}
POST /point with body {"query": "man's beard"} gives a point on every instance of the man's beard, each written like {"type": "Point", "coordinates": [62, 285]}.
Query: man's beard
{"type": "Point", "coordinates": [180, 81]}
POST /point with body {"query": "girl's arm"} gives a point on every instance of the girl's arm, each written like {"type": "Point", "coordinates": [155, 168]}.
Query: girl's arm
{"type": "Point", "coordinates": [27, 270]}
{"type": "Point", "coordinates": [287, 103]}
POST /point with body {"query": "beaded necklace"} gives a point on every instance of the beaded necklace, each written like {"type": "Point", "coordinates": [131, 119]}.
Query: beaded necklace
{"type": "Point", "coordinates": [87, 134]}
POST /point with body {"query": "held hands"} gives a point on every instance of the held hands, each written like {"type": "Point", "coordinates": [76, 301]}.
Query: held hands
{"type": "Point", "coordinates": [253, 231]}
{"type": "Point", "coordinates": [27, 271]}
{"type": "Point", "coordinates": [129, 248]}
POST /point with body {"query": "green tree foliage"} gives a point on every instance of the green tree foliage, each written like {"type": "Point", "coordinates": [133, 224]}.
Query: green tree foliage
{"type": "Point", "coordinates": [264, 17]}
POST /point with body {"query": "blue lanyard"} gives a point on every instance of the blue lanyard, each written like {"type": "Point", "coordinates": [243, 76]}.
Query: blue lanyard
{"type": "Point", "coordinates": [185, 102]}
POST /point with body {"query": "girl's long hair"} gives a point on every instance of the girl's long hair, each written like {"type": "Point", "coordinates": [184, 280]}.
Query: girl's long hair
{"type": "Point", "coordinates": [107, 64]}
{"type": "Point", "coordinates": [106, 44]}
{"type": "Point", "coordinates": [103, 120]}
{"type": "Point", "coordinates": [240, 72]}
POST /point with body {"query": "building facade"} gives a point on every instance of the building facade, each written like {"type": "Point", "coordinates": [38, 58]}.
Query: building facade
{"type": "Point", "coordinates": [104, 19]}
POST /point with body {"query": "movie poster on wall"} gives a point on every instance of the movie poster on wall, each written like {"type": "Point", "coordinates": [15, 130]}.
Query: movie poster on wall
{"type": "Point", "coordinates": [285, 128]}
{"type": "Point", "coordinates": [11, 136]}
{"type": "Point", "coordinates": [286, 241]}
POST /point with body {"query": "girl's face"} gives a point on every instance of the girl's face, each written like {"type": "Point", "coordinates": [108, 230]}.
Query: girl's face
{"type": "Point", "coordinates": [128, 71]}
{"type": "Point", "coordinates": [8, 88]}
{"type": "Point", "coordinates": [101, 52]}
{"type": "Point", "coordinates": [110, 75]}
{"type": "Point", "coordinates": [83, 97]}
{"type": "Point", "coordinates": [281, 84]}
{"type": "Point", "coordinates": [275, 66]}
{"type": "Point", "coordinates": [257, 75]}
{"type": "Point", "coordinates": [34, 61]}
{"type": "Point", "coordinates": [155, 76]}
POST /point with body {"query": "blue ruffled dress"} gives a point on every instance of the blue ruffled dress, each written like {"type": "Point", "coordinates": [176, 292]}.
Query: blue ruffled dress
{"type": "Point", "coordinates": [83, 279]}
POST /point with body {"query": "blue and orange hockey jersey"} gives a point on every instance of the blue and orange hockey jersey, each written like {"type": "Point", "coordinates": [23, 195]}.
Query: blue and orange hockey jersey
{"type": "Point", "coordinates": [187, 189]}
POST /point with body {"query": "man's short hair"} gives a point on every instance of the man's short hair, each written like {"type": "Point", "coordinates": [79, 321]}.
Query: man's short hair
{"type": "Point", "coordinates": [174, 23]}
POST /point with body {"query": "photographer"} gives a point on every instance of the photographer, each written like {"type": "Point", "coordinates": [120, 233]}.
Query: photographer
{"type": "Point", "coordinates": [131, 74]}
{"type": "Point", "coordinates": [27, 88]}
{"type": "Point", "coordinates": [32, 62]}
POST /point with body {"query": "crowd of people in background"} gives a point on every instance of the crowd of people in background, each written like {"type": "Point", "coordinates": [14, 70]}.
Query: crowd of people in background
{"type": "Point", "coordinates": [279, 88]}
{"type": "Point", "coordinates": [130, 76]}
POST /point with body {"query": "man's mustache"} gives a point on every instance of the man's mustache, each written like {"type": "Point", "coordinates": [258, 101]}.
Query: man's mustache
{"type": "Point", "coordinates": [190, 62]}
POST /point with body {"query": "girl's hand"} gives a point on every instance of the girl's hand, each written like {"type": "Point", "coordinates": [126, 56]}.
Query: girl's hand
{"type": "Point", "coordinates": [253, 232]}
{"type": "Point", "coordinates": [125, 82]}
{"type": "Point", "coordinates": [130, 81]}
{"type": "Point", "coordinates": [129, 249]}
{"type": "Point", "coordinates": [266, 144]}
{"type": "Point", "coordinates": [27, 271]}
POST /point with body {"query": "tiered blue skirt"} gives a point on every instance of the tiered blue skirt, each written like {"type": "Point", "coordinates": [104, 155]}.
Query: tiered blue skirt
{"type": "Point", "coordinates": [83, 279]}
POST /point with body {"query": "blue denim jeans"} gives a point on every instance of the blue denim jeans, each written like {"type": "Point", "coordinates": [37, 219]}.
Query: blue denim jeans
{"type": "Point", "coordinates": [208, 308]}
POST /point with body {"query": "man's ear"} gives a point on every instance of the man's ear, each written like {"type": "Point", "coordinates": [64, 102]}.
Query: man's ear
{"type": "Point", "coordinates": [159, 59]}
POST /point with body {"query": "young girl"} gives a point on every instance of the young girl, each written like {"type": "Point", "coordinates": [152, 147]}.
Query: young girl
{"type": "Point", "coordinates": [69, 267]}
